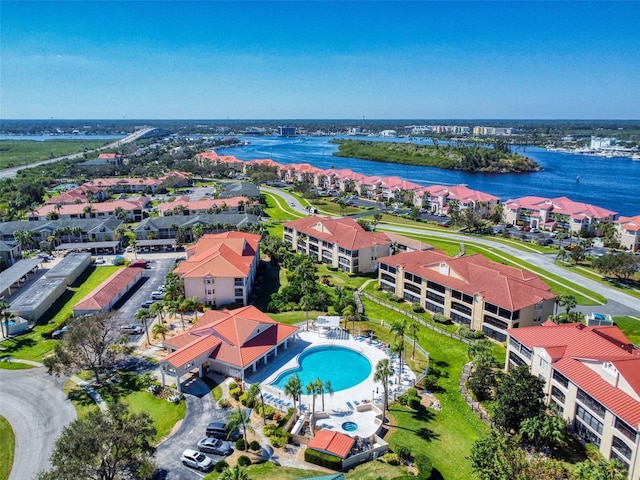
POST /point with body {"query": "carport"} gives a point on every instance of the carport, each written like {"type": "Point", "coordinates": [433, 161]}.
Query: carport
{"type": "Point", "coordinates": [13, 274]}
{"type": "Point", "coordinates": [156, 242]}
{"type": "Point", "coordinates": [91, 246]}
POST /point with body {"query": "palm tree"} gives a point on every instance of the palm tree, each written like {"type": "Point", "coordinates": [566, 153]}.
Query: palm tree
{"type": "Point", "coordinates": [399, 327]}
{"type": "Point", "coordinates": [568, 302]}
{"type": "Point", "coordinates": [313, 389]}
{"type": "Point", "coordinates": [157, 309]}
{"type": "Point", "coordinates": [414, 329]}
{"type": "Point", "coordinates": [349, 314]}
{"type": "Point", "coordinates": [306, 302]}
{"type": "Point", "coordinates": [237, 472]}
{"type": "Point", "coordinates": [240, 418]}
{"type": "Point", "coordinates": [254, 391]}
{"type": "Point", "coordinates": [325, 387]}
{"type": "Point", "coordinates": [143, 314]}
{"type": "Point", "coordinates": [4, 327]}
{"type": "Point", "coordinates": [293, 388]}
{"type": "Point", "coordinates": [384, 371]}
{"type": "Point", "coordinates": [479, 353]}
{"type": "Point", "coordinates": [159, 329]}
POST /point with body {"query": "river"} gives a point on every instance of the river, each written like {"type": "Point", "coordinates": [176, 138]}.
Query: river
{"type": "Point", "coordinates": [612, 183]}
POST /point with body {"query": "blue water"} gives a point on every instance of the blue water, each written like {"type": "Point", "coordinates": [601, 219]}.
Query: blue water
{"type": "Point", "coordinates": [345, 368]}
{"type": "Point", "coordinates": [612, 183]}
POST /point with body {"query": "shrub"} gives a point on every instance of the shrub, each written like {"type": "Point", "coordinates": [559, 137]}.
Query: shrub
{"type": "Point", "coordinates": [414, 403]}
{"type": "Point", "coordinates": [412, 392]}
{"type": "Point", "coordinates": [235, 393]}
{"type": "Point", "coordinates": [403, 452]}
{"type": "Point", "coordinates": [233, 386]}
{"type": "Point", "coordinates": [441, 318]}
{"type": "Point", "coordinates": [247, 400]}
{"type": "Point", "coordinates": [403, 399]}
{"type": "Point", "coordinates": [417, 308]}
{"type": "Point", "coordinates": [277, 441]}
{"type": "Point", "coordinates": [254, 446]}
{"type": "Point", "coordinates": [224, 403]}
{"type": "Point", "coordinates": [391, 459]}
{"type": "Point", "coordinates": [269, 429]}
{"type": "Point", "coordinates": [240, 444]}
{"type": "Point", "coordinates": [592, 452]}
{"type": "Point", "coordinates": [424, 466]}
{"type": "Point", "coordinates": [220, 466]}
{"type": "Point", "coordinates": [466, 332]}
{"type": "Point", "coordinates": [323, 459]}
{"type": "Point", "coordinates": [244, 461]}
{"type": "Point", "coordinates": [269, 411]}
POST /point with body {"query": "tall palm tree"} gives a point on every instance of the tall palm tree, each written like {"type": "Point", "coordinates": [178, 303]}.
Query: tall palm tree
{"type": "Point", "coordinates": [306, 302]}
{"type": "Point", "coordinates": [397, 349]}
{"type": "Point", "coordinates": [143, 314]}
{"type": "Point", "coordinates": [399, 327]}
{"type": "Point", "coordinates": [254, 391]}
{"type": "Point", "coordinates": [313, 389]}
{"type": "Point", "coordinates": [240, 418]}
{"type": "Point", "coordinates": [293, 388]}
{"type": "Point", "coordinates": [325, 387]}
{"type": "Point", "coordinates": [384, 371]}
{"type": "Point", "coordinates": [479, 353]}
{"type": "Point", "coordinates": [158, 309]}
{"type": "Point", "coordinates": [349, 314]}
{"type": "Point", "coordinates": [414, 329]}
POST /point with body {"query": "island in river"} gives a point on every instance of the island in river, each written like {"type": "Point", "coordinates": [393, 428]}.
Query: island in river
{"type": "Point", "coordinates": [470, 158]}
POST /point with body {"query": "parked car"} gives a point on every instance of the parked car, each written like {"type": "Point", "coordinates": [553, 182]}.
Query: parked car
{"type": "Point", "coordinates": [157, 295]}
{"type": "Point", "coordinates": [99, 260]}
{"type": "Point", "coordinates": [194, 459]}
{"type": "Point", "coordinates": [59, 333]}
{"type": "Point", "coordinates": [139, 264]}
{"type": "Point", "coordinates": [147, 303]}
{"type": "Point", "coordinates": [132, 329]}
{"type": "Point", "coordinates": [215, 445]}
{"type": "Point", "coordinates": [220, 431]}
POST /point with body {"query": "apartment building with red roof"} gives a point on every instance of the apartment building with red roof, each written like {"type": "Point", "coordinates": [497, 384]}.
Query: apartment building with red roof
{"type": "Point", "coordinates": [444, 199]}
{"type": "Point", "coordinates": [215, 159]}
{"type": "Point", "coordinates": [471, 290]}
{"type": "Point", "coordinates": [592, 376]}
{"type": "Point", "coordinates": [628, 232]}
{"type": "Point", "coordinates": [133, 208]}
{"type": "Point", "coordinates": [339, 242]}
{"type": "Point", "coordinates": [560, 213]}
{"type": "Point", "coordinates": [233, 343]}
{"type": "Point", "coordinates": [185, 206]}
{"type": "Point", "coordinates": [220, 268]}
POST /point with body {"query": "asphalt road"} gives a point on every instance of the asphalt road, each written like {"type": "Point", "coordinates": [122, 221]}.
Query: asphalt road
{"type": "Point", "coordinates": [201, 409]}
{"type": "Point", "coordinates": [37, 410]}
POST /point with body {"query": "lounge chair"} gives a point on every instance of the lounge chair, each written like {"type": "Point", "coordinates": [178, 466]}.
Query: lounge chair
{"type": "Point", "coordinates": [350, 405]}
{"type": "Point", "coordinates": [356, 402]}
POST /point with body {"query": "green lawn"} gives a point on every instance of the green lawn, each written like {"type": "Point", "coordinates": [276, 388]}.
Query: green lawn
{"type": "Point", "coordinates": [14, 366]}
{"type": "Point", "coordinates": [269, 471]}
{"type": "Point", "coordinates": [630, 326]}
{"type": "Point", "coordinates": [7, 448]}
{"type": "Point", "coordinates": [33, 346]}
{"type": "Point", "coordinates": [446, 436]}
{"type": "Point", "coordinates": [15, 153]}
{"type": "Point", "coordinates": [164, 414]}
{"type": "Point", "coordinates": [278, 209]}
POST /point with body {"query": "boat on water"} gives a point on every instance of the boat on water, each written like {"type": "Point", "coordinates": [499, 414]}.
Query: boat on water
{"type": "Point", "coordinates": [635, 157]}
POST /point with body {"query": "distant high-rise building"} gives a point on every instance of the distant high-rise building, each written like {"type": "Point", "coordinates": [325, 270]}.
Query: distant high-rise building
{"type": "Point", "coordinates": [287, 131]}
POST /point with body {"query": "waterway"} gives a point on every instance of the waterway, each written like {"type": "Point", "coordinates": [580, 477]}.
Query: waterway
{"type": "Point", "coordinates": [612, 183]}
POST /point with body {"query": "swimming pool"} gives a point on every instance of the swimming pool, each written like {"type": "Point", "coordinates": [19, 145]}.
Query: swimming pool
{"type": "Point", "coordinates": [343, 367]}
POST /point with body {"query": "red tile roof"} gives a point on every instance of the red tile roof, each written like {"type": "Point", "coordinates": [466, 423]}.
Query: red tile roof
{"type": "Point", "coordinates": [237, 337]}
{"type": "Point", "coordinates": [345, 232]}
{"type": "Point", "coordinates": [103, 294]}
{"type": "Point", "coordinates": [332, 442]}
{"type": "Point", "coordinates": [574, 346]}
{"type": "Point", "coordinates": [629, 224]}
{"type": "Point", "coordinates": [501, 285]}
{"type": "Point", "coordinates": [562, 205]}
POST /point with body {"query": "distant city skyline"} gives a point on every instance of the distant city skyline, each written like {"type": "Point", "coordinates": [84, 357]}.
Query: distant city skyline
{"type": "Point", "coordinates": [319, 60]}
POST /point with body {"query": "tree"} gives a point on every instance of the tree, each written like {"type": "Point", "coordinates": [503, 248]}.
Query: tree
{"type": "Point", "coordinates": [325, 387]}
{"type": "Point", "coordinates": [568, 302]}
{"type": "Point", "coordinates": [481, 382]}
{"type": "Point", "coordinates": [384, 371]}
{"type": "Point", "coordinates": [622, 265]}
{"type": "Point", "coordinates": [414, 329]}
{"type": "Point", "coordinates": [254, 391]}
{"type": "Point", "coordinates": [313, 389]}
{"type": "Point", "coordinates": [293, 388]}
{"type": "Point", "coordinates": [4, 326]}
{"type": "Point", "coordinates": [399, 327]}
{"type": "Point", "coordinates": [349, 314]}
{"type": "Point", "coordinates": [239, 418]}
{"type": "Point", "coordinates": [159, 329]}
{"type": "Point", "coordinates": [479, 353]}
{"type": "Point", "coordinates": [577, 254]}
{"type": "Point", "coordinates": [498, 457]}
{"type": "Point", "coordinates": [143, 314]}
{"type": "Point", "coordinates": [237, 472]}
{"type": "Point", "coordinates": [90, 343]}
{"type": "Point", "coordinates": [306, 303]}
{"type": "Point", "coordinates": [600, 470]}
{"type": "Point", "coordinates": [111, 445]}
{"type": "Point", "coordinates": [518, 396]}
{"type": "Point", "coordinates": [157, 309]}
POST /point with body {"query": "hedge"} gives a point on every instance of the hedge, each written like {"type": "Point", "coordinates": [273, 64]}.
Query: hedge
{"type": "Point", "coordinates": [425, 467]}
{"type": "Point", "coordinates": [323, 459]}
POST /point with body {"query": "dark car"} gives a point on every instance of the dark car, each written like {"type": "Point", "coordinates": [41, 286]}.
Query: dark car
{"type": "Point", "coordinates": [215, 445]}
{"type": "Point", "coordinates": [147, 304]}
{"type": "Point", "coordinates": [220, 431]}
{"type": "Point", "coordinates": [59, 333]}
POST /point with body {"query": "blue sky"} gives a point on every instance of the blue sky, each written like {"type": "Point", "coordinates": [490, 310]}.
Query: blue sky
{"type": "Point", "coordinates": [297, 60]}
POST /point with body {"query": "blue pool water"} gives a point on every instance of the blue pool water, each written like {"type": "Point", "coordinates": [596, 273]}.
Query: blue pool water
{"type": "Point", "coordinates": [345, 368]}
{"type": "Point", "coordinates": [599, 316]}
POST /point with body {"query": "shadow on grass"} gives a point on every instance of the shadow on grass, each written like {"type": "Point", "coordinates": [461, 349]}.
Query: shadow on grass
{"type": "Point", "coordinates": [421, 415]}
{"type": "Point", "coordinates": [128, 383]}
{"type": "Point", "coordinates": [573, 452]}
{"type": "Point", "coordinates": [78, 395]}
{"type": "Point", "coordinates": [12, 345]}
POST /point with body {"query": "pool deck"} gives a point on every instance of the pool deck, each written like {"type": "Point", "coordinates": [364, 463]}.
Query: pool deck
{"type": "Point", "coordinates": [344, 405]}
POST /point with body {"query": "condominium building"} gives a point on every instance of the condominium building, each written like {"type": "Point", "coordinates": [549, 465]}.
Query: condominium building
{"type": "Point", "coordinates": [220, 268]}
{"type": "Point", "coordinates": [471, 290]}
{"type": "Point", "coordinates": [592, 376]}
{"type": "Point", "coordinates": [340, 242]}
{"type": "Point", "coordinates": [628, 232]}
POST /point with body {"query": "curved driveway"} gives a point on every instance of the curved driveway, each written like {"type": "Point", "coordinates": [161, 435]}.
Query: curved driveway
{"type": "Point", "coordinates": [37, 411]}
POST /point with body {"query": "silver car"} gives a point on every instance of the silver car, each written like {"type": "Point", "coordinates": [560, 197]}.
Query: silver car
{"type": "Point", "coordinates": [215, 445]}
{"type": "Point", "coordinates": [194, 459]}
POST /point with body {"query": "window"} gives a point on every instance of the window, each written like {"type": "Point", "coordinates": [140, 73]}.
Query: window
{"type": "Point", "coordinates": [458, 318]}
{"type": "Point", "coordinates": [432, 307]}
{"type": "Point", "coordinates": [436, 286]}
{"type": "Point", "coordinates": [461, 308]}
{"type": "Point", "coordinates": [411, 298]}
{"type": "Point", "coordinates": [561, 379]}
{"type": "Point", "coordinates": [387, 278]}
{"type": "Point", "coordinates": [591, 403]}
{"type": "Point", "coordinates": [491, 333]}
{"type": "Point", "coordinates": [209, 280]}
{"type": "Point", "coordinates": [515, 359]}
{"type": "Point", "coordinates": [435, 297]}
{"type": "Point", "coordinates": [495, 322]}
{"type": "Point", "coordinates": [557, 393]}
{"type": "Point", "coordinates": [239, 292]}
{"type": "Point", "coordinates": [622, 447]}
{"type": "Point", "coordinates": [543, 363]}
{"type": "Point", "coordinates": [412, 288]}
{"type": "Point", "coordinates": [589, 419]}
{"type": "Point", "coordinates": [625, 429]}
